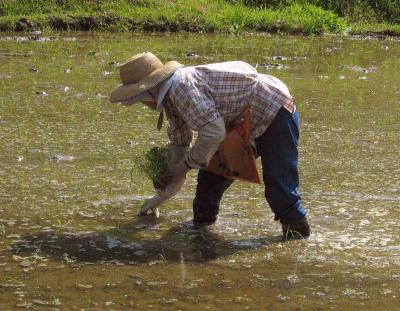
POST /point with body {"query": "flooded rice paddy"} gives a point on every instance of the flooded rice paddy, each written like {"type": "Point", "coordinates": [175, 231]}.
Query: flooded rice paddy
{"type": "Point", "coordinates": [69, 235]}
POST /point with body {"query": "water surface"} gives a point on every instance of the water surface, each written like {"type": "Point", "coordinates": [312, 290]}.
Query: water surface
{"type": "Point", "coordinates": [69, 234]}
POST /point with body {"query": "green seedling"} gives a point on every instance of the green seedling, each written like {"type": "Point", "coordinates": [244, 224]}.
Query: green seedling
{"type": "Point", "coordinates": [154, 165]}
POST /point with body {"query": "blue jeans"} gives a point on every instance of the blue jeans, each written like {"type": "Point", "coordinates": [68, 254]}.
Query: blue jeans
{"type": "Point", "coordinates": [278, 149]}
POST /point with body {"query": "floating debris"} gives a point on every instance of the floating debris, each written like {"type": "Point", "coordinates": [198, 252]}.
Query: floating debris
{"type": "Point", "coordinates": [296, 58]}
{"type": "Point", "coordinates": [42, 93]}
{"type": "Point", "coordinates": [116, 262]}
{"type": "Point", "coordinates": [20, 158]}
{"type": "Point", "coordinates": [105, 73]}
{"type": "Point", "coordinates": [293, 279]}
{"type": "Point", "coordinates": [40, 302]}
{"type": "Point", "coordinates": [21, 39]}
{"type": "Point", "coordinates": [169, 301]}
{"type": "Point", "coordinates": [46, 229]}
{"type": "Point", "coordinates": [68, 70]}
{"type": "Point", "coordinates": [156, 283]}
{"type": "Point", "coordinates": [241, 299]}
{"type": "Point", "coordinates": [72, 39]}
{"type": "Point", "coordinates": [353, 293]}
{"type": "Point", "coordinates": [13, 236]}
{"type": "Point", "coordinates": [36, 33]}
{"type": "Point", "coordinates": [53, 158]}
{"type": "Point", "coordinates": [33, 70]}
{"type": "Point", "coordinates": [43, 39]}
{"type": "Point", "coordinates": [10, 223]}
{"type": "Point", "coordinates": [140, 253]}
{"type": "Point", "coordinates": [279, 58]}
{"type": "Point", "coordinates": [12, 285]}
{"type": "Point", "coordinates": [358, 69]}
{"type": "Point", "coordinates": [84, 286]}
{"type": "Point", "coordinates": [35, 37]}
{"type": "Point", "coordinates": [284, 58]}
{"type": "Point", "coordinates": [16, 54]}
{"type": "Point", "coordinates": [341, 77]}
{"type": "Point", "coordinates": [100, 96]}
{"type": "Point", "coordinates": [269, 66]}
{"type": "Point", "coordinates": [282, 298]}
{"type": "Point", "coordinates": [362, 78]}
{"type": "Point", "coordinates": [26, 263]}
{"type": "Point", "coordinates": [3, 76]}
{"type": "Point", "coordinates": [67, 89]}
{"type": "Point", "coordinates": [87, 215]}
{"type": "Point", "coordinates": [68, 259]}
{"type": "Point", "coordinates": [191, 55]}
{"type": "Point", "coordinates": [26, 305]}
{"type": "Point", "coordinates": [114, 63]}
{"type": "Point", "coordinates": [331, 50]}
{"type": "Point", "coordinates": [131, 143]}
{"type": "Point", "coordinates": [60, 157]}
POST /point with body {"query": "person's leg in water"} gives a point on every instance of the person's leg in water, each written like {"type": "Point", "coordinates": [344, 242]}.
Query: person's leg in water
{"type": "Point", "coordinates": [209, 192]}
{"type": "Point", "coordinates": [278, 148]}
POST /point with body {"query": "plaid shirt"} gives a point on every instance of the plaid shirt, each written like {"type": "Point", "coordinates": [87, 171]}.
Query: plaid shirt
{"type": "Point", "coordinates": [200, 94]}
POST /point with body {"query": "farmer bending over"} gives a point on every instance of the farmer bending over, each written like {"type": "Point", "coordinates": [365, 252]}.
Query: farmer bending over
{"type": "Point", "coordinates": [238, 114]}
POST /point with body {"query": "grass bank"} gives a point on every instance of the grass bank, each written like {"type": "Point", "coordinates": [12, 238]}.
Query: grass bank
{"type": "Point", "coordinates": [352, 10]}
{"type": "Point", "coordinates": [165, 15]}
{"type": "Point", "coordinates": [170, 15]}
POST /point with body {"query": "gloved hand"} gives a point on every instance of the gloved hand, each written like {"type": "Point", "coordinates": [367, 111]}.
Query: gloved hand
{"type": "Point", "coordinates": [178, 171]}
{"type": "Point", "coordinates": [150, 205]}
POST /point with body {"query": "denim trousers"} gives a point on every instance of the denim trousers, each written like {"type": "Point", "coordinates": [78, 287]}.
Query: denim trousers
{"type": "Point", "coordinates": [278, 149]}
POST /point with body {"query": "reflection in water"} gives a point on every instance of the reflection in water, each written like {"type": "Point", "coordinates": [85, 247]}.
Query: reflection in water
{"type": "Point", "coordinates": [183, 242]}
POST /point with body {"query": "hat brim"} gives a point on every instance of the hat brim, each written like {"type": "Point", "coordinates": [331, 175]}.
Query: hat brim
{"type": "Point", "coordinates": [129, 91]}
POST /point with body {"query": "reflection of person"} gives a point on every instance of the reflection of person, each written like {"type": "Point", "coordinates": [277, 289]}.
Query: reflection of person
{"type": "Point", "coordinates": [207, 99]}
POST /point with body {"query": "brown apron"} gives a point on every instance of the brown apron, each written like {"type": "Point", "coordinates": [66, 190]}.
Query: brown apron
{"type": "Point", "coordinates": [235, 159]}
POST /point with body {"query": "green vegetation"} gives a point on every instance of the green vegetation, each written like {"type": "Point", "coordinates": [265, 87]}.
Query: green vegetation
{"type": "Point", "coordinates": [376, 28]}
{"type": "Point", "coordinates": [230, 16]}
{"type": "Point", "coordinates": [154, 165]}
{"type": "Point", "coordinates": [352, 10]}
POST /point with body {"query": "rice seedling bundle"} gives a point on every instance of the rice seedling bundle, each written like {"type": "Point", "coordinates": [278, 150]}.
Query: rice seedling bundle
{"type": "Point", "coordinates": [154, 165]}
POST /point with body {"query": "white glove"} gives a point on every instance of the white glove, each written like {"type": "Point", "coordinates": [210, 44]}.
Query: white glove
{"type": "Point", "coordinates": [178, 171]}
{"type": "Point", "coordinates": [150, 205]}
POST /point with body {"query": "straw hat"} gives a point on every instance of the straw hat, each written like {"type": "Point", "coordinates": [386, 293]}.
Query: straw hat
{"type": "Point", "coordinates": [140, 73]}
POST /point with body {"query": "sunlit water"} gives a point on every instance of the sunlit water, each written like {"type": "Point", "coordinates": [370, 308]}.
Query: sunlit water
{"type": "Point", "coordinates": [69, 234]}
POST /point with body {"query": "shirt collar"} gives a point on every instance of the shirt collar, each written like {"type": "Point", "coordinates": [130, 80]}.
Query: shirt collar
{"type": "Point", "coordinates": [164, 88]}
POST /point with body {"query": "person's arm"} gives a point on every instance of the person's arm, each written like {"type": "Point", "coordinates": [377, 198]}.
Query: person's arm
{"type": "Point", "coordinates": [177, 154]}
{"type": "Point", "coordinates": [208, 140]}
{"type": "Point", "coordinates": [192, 99]}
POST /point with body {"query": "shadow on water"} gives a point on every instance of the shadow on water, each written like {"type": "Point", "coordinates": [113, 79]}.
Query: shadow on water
{"type": "Point", "coordinates": [196, 244]}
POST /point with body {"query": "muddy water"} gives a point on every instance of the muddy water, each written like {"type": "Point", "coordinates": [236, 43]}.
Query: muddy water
{"type": "Point", "coordinates": [69, 234]}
